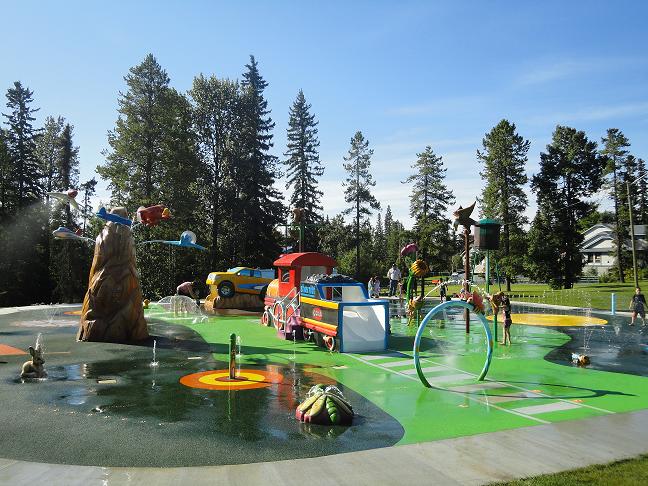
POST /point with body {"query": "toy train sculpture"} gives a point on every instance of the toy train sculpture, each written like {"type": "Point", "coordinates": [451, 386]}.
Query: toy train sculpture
{"type": "Point", "coordinates": [307, 301]}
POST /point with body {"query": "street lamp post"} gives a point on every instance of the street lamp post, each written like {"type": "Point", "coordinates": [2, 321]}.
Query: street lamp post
{"type": "Point", "coordinates": [632, 238]}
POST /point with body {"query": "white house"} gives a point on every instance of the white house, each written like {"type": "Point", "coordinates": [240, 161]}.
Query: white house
{"type": "Point", "coordinates": [598, 247]}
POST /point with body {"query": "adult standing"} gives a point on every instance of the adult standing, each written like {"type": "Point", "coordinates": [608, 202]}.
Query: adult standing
{"type": "Point", "coordinates": [443, 292]}
{"type": "Point", "coordinates": [394, 276]}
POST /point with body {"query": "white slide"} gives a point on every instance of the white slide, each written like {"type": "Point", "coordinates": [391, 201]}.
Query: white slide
{"type": "Point", "coordinates": [364, 328]}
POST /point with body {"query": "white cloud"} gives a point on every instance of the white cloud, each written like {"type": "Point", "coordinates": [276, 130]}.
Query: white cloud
{"type": "Point", "coordinates": [543, 71]}
{"type": "Point", "coordinates": [593, 113]}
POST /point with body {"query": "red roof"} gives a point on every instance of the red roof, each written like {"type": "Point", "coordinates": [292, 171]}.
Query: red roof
{"type": "Point", "coordinates": [308, 259]}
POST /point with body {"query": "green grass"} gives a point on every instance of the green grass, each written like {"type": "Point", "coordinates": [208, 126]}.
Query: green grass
{"type": "Point", "coordinates": [620, 473]}
{"type": "Point", "coordinates": [595, 295]}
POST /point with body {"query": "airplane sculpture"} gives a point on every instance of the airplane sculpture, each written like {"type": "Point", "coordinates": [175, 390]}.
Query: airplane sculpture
{"type": "Point", "coordinates": [187, 239]}
{"type": "Point", "coordinates": [67, 197]}
{"type": "Point", "coordinates": [114, 218]}
{"type": "Point", "coordinates": [63, 233]}
{"type": "Point", "coordinates": [152, 215]}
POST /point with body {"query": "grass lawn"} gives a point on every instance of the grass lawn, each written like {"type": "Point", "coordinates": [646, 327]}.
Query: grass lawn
{"type": "Point", "coordinates": [595, 295]}
{"type": "Point", "coordinates": [628, 472]}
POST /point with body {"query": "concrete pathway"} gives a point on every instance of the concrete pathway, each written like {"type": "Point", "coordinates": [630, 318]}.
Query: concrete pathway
{"type": "Point", "coordinates": [479, 459]}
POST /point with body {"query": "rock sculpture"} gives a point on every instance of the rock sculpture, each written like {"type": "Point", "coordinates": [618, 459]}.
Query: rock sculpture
{"type": "Point", "coordinates": [112, 308]}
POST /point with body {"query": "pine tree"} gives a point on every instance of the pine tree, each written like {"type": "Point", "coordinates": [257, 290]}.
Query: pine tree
{"type": "Point", "coordinates": [153, 160]}
{"type": "Point", "coordinates": [358, 186]}
{"type": "Point", "coordinates": [23, 252]}
{"type": "Point", "coordinates": [67, 258]}
{"type": "Point", "coordinates": [48, 149]}
{"type": "Point", "coordinates": [88, 188]}
{"type": "Point", "coordinates": [380, 245]}
{"type": "Point", "coordinates": [25, 185]}
{"type": "Point", "coordinates": [504, 198]}
{"type": "Point", "coordinates": [303, 166]}
{"type": "Point", "coordinates": [570, 172]}
{"type": "Point", "coordinates": [133, 166]}
{"type": "Point", "coordinates": [217, 106]}
{"type": "Point", "coordinates": [614, 151]}
{"type": "Point", "coordinates": [429, 202]}
{"type": "Point", "coordinates": [5, 175]}
{"type": "Point", "coordinates": [260, 202]}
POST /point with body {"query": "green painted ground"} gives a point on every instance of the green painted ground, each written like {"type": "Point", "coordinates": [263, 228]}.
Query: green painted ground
{"type": "Point", "coordinates": [522, 388]}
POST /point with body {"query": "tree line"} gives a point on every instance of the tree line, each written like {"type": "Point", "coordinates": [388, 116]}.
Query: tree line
{"type": "Point", "coordinates": [207, 155]}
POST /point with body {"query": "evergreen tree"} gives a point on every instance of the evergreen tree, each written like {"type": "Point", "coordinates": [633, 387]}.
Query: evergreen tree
{"type": "Point", "coordinates": [570, 172]}
{"type": "Point", "coordinates": [260, 202]}
{"type": "Point", "coordinates": [5, 176]}
{"type": "Point", "coordinates": [133, 167]}
{"type": "Point", "coordinates": [25, 185]}
{"type": "Point", "coordinates": [392, 230]}
{"type": "Point", "coordinates": [358, 186]}
{"type": "Point", "coordinates": [334, 236]}
{"type": "Point", "coordinates": [89, 188]}
{"type": "Point", "coordinates": [614, 151]}
{"type": "Point", "coordinates": [429, 202]}
{"type": "Point", "coordinates": [504, 198]}
{"type": "Point", "coordinates": [153, 160]}
{"type": "Point", "coordinates": [303, 166]}
{"type": "Point", "coordinates": [217, 106]}
{"type": "Point", "coordinates": [67, 267]}
{"type": "Point", "coordinates": [48, 149]}
{"type": "Point", "coordinates": [23, 234]}
{"type": "Point", "coordinates": [380, 245]}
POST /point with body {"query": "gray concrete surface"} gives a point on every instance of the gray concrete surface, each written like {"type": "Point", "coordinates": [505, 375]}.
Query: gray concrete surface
{"type": "Point", "coordinates": [474, 460]}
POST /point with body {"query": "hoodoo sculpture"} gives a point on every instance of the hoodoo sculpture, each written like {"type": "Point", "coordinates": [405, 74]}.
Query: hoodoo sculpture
{"type": "Point", "coordinates": [112, 308]}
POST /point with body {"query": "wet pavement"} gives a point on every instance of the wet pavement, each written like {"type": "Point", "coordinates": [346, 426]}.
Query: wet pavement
{"type": "Point", "coordinates": [104, 404]}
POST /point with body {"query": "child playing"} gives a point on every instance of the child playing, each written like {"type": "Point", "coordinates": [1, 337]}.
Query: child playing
{"type": "Point", "coordinates": [506, 310]}
{"type": "Point", "coordinates": [376, 287]}
{"type": "Point", "coordinates": [637, 305]}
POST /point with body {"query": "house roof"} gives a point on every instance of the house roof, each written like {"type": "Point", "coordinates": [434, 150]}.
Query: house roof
{"type": "Point", "coordinates": [307, 259]}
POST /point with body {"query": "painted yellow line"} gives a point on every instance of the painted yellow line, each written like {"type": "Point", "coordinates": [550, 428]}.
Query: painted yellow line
{"type": "Point", "coordinates": [320, 303]}
{"type": "Point", "coordinates": [557, 320]}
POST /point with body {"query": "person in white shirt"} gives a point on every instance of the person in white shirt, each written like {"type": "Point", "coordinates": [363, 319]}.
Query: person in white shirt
{"type": "Point", "coordinates": [394, 276]}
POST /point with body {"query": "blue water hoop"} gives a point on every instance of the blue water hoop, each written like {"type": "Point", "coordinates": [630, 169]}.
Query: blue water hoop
{"type": "Point", "coordinates": [426, 319]}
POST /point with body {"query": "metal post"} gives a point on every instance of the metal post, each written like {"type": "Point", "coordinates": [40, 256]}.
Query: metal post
{"type": "Point", "coordinates": [487, 271]}
{"type": "Point", "coordinates": [632, 238]}
{"type": "Point", "coordinates": [301, 235]}
{"type": "Point", "coordinates": [467, 274]}
{"type": "Point", "coordinates": [488, 292]}
{"type": "Point", "coordinates": [232, 356]}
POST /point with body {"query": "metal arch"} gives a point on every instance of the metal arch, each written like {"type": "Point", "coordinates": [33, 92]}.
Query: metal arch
{"type": "Point", "coordinates": [426, 319]}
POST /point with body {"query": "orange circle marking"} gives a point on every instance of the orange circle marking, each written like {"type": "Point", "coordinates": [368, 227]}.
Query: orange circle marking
{"type": "Point", "coordinates": [219, 379]}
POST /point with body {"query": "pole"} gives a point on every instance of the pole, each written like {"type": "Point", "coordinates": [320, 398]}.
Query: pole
{"type": "Point", "coordinates": [632, 238]}
{"type": "Point", "coordinates": [301, 235]}
{"type": "Point", "coordinates": [232, 357]}
{"type": "Point", "coordinates": [467, 274]}
{"type": "Point", "coordinates": [487, 271]}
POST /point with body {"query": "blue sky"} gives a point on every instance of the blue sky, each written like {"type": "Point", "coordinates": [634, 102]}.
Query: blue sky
{"type": "Point", "coordinates": [407, 74]}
